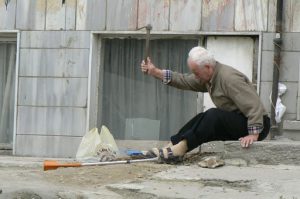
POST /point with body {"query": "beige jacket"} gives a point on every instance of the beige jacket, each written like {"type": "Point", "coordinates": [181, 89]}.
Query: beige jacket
{"type": "Point", "coordinates": [229, 89]}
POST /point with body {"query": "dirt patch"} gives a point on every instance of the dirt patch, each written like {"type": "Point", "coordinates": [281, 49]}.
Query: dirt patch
{"type": "Point", "coordinates": [101, 175]}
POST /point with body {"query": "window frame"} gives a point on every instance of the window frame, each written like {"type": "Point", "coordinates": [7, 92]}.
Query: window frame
{"type": "Point", "coordinates": [13, 36]}
{"type": "Point", "coordinates": [96, 59]}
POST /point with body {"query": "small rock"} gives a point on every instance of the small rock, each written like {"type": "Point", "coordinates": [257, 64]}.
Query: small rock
{"type": "Point", "coordinates": [211, 162]}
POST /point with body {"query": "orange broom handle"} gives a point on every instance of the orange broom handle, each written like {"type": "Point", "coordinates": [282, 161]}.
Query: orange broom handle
{"type": "Point", "coordinates": [52, 165]}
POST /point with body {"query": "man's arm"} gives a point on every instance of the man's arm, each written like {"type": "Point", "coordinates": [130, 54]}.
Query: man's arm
{"type": "Point", "coordinates": [177, 80]}
{"type": "Point", "coordinates": [240, 90]}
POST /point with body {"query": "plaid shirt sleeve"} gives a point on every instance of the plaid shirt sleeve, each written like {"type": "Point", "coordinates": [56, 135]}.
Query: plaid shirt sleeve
{"type": "Point", "coordinates": [167, 76]}
{"type": "Point", "coordinates": [252, 130]}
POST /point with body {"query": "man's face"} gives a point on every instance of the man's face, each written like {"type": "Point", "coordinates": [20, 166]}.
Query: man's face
{"type": "Point", "coordinates": [201, 73]}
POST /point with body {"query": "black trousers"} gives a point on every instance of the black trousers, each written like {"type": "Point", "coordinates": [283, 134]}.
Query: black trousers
{"type": "Point", "coordinates": [216, 124]}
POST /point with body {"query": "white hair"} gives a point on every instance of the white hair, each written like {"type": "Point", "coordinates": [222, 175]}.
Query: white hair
{"type": "Point", "coordinates": [201, 56]}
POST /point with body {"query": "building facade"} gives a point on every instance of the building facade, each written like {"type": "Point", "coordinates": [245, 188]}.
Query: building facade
{"type": "Point", "coordinates": [68, 66]}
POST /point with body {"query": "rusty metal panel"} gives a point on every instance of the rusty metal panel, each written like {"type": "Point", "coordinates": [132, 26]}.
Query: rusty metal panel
{"type": "Point", "coordinates": [251, 15]}
{"type": "Point", "coordinates": [91, 14]}
{"type": "Point", "coordinates": [218, 15]}
{"type": "Point", "coordinates": [121, 14]}
{"type": "Point", "coordinates": [155, 12]}
{"type": "Point", "coordinates": [185, 15]}
{"type": "Point", "coordinates": [7, 15]}
{"type": "Point", "coordinates": [291, 15]}
{"type": "Point", "coordinates": [31, 14]}
{"type": "Point", "coordinates": [60, 16]}
{"type": "Point", "coordinates": [272, 15]}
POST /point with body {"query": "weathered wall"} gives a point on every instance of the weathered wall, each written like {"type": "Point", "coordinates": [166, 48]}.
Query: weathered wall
{"type": "Point", "coordinates": [54, 54]}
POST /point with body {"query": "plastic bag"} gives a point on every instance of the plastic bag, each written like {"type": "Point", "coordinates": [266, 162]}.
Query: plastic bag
{"type": "Point", "coordinates": [97, 147]}
{"type": "Point", "coordinates": [280, 108]}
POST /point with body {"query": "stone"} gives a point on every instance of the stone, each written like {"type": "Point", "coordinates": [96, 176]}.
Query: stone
{"type": "Point", "coordinates": [211, 162]}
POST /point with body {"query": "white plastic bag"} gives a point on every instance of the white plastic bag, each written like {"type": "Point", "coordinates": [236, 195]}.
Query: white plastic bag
{"type": "Point", "coordinates": [279, 108]}
{"type": "Point", "coordinates": [95, 146]}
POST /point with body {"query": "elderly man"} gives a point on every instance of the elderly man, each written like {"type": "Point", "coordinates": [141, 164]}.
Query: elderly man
{"type": "Point", "coordinates": [239, 113]}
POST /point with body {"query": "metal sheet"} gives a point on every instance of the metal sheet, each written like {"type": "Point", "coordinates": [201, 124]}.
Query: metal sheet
{"type": "Point", "coordinates": [57, 121]}
{"type": "Point", "coordinates": [251, 15]}
{"type": "Point", "coordinates": [121, 14]}
{"type": "Point", "coordinates": [71, 92]}
{"type": "Point", "coordinates": [7, 15]}
{"type": "Point", "coordinates": [91, 14]}
{"type": "Point", "coordinates": [60, 16]}
{"type": "Point", "coordinates": [47, 146]}
{"type": "Point", "coordinates": [154, 12]}
{"type": "Point", "coordinates": [54, 62]}
{"type": "Point", "coordinates": [185, 15]}
{"type": "Point", "coordinates": [55, 39]}
{"type": "Point", "coordinates": [291, 15]}
{"type": "Point", "coordinates": [218, 15]}
{"type": "Point", "coordinates": [31, 15]}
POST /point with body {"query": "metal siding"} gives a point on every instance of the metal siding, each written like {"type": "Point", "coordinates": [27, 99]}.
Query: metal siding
{"type": "Point", "coordinates": [154, 12]}
{"type": "Point", "coordinates": [91, 14]}
{"type": "Point", "coordinates": [7, 15]}
{"type": "Point", "coordinates": [251, 15]}
{"type": "Point", "coordinates": [47, 146]}
{"type": "Point", "coordinates": [185, 15]}
{"type": "Point", "coordinates": [121, 15]}
{"type": "Point", "coordinates": [55, 39]}
{"type": "Point", "coordinates": [67, 121]}
{"type": "Point", "coordinates": [60, 16]}
{"type": "Point", "coordinates": [31, 14]}
{"type": "Point", "coordinates": [291, 18]}
{"type": "Point", "coordinates": [54, 62]}
{"type": "Point", "coordinates": [218, 15]}
{"type": "Point", "coordinates": [53, 92]}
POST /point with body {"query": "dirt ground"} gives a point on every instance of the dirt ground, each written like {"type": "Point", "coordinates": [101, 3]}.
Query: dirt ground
{"type": "Point", "coordinates": [23, 182]}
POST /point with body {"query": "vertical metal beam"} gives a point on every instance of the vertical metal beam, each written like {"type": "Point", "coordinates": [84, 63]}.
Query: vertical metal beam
{"type": "Point", "coordinates": [276, 65]}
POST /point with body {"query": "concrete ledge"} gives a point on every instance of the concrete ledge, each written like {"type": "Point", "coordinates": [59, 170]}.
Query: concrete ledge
{"type": "Point", "coordinates": [266, 152]}
{"type": "Point", "coordinates": [291, 125]}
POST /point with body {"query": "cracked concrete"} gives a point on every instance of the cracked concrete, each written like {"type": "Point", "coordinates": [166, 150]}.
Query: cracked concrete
{"type": "Point", "coordinates": [257, 172]}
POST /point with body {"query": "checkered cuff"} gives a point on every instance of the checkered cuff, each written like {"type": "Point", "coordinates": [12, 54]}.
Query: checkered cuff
{"type": "Point", "coordinates": [167, 76]}
{"type": "Point", "coordinates": [254, 129]}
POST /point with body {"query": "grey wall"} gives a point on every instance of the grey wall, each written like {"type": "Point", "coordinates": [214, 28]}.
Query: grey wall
{"type": "Point", "coordinates": [55, 42]}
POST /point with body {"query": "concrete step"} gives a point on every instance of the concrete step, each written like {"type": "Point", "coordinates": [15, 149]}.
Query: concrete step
{"type": "Point", "coordinates": [291, 129]}
{"type": "Point", "coordinates": [265, 152]}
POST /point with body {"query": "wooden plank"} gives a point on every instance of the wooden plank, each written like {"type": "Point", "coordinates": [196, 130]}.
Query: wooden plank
{"type": "Point", "coordinates": [218, 15]}
{"type": "Point", "coordinates": [185, 15]}
{"type": "Point", "coordinates": [291, 16]}
{"type": "Point", "coordinates": [54, 62]}
{"type": "Point", "coordinates": [7, 15]}
{"type": "Point", "coordinates": [47, 146]}
{"type": "Point", "coordinates": [91, 14]}
{"type": "Point", "coordinates": [60, 16]}
{"type": "Point", "coordinates": [53, 92]}
{"type": "Point", "coordinates": [272, 15]}
{"type": "Point", "coordinates": [55, 39]}
{"type": "Point", "coordinates": [154, 12]}
{"type": "Point", "coordinates": [31, 15]}
{"type": "Point", "coordinates": [66, 121]}
{"type": "Point", "coordinates": [121, 15]}
{"type": "Point", "coordinates": [251, 15]}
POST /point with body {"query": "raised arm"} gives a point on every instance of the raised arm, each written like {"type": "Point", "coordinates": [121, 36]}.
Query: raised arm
{"type": "Point", "coordinates": [177, 80]}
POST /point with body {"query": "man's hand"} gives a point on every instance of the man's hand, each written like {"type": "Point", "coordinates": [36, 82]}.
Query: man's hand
{"type": "Point", "coordinates": [248, 140]}
{"type": "Point", "coordinates": [151, 69]}
{"type": "Point", "coordinates": [148, 67]}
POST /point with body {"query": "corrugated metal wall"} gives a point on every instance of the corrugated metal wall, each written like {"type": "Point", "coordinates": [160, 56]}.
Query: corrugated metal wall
{"type": "Point", "coordinates": [55, 42]}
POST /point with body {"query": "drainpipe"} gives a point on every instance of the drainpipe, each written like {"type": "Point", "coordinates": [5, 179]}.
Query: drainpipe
{"type": "Point", "coordinates": [277, 41]}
